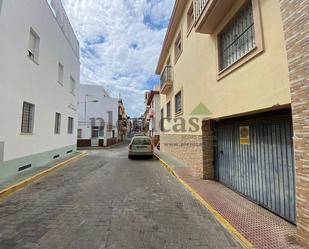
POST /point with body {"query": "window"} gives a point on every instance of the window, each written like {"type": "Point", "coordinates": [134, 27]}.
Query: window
{"type": "Point", "coordinates": [72, 86]}
{"type": "Point", "coordinates": [101, 131]}
{"type": "Point", "coordinates": [60, 73]}
{"type": "Point", "coordinates": [34, 44]}
{"type": "Point", "coordinates": [97, 131]}
{"type": "Point", "coordinates": [141, 141]}
{"type": "Point", "coordinates": [178, 46]}
{"type": "Point", "coordinates": [79, 133]}
{"type": "Point", "coordinates": [0, 5]}
{"type": "Point", "coordinates": [27, 118]}
{"type": "Point", "coordinates": [190, 18]}
{"type": "Point", "coordinates": [178, 103]}
{"type": "Point", "coordinates": [94, 131]}
{"type": "Point", "coordinates": [168, 110]}
{"type": "Point", "coordinates": [162, 120]}
{"type": "Point", "coordinates": [57, 123]}
{"type": "Point", "coordinates": [238, 38]}
{"type": "Point", "coordinates": [70, 125]}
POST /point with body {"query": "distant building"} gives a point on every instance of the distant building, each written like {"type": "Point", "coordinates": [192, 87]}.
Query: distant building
{"type": "Point", "coordinates": [122, 121]}
{"type": "Point", "coordinates": [137, 124]}
{"type": "Point", "coordinates": [39, 79]}
{"type": "Point", "coordinates": [98, 116]}
{"type": "Point", "coordinates": [153, 115]}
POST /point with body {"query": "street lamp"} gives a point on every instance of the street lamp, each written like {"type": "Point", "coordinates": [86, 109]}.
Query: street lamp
{"type": "Point", "coordinates": [86, 102]}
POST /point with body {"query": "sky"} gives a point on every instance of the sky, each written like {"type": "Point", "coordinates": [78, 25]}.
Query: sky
{"type": "Point", "coordinates": [120, 42]}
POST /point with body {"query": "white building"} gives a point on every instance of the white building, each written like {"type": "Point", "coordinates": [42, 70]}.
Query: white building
{"type": "Point", "coordinates": [98, 117]}
{"type": "Point", "coordinates": [153, 114]}
{"type": "Point", "coordinates": [39, 78]}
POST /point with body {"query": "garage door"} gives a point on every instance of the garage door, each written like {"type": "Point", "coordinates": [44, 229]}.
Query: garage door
{"type": "Point", "coordinates": [255, 158]}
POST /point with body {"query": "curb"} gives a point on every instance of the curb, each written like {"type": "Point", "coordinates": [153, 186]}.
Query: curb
{"type": "Point", "coordinates": [244, 242]}
{"type": "Point", "coordinates": [7, 191]}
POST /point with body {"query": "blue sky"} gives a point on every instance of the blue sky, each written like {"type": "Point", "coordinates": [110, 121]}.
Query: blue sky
{"type": "Point", "coordinates": [120, 44]}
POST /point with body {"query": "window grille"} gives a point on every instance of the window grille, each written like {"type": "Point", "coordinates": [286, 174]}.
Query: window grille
{"type": "Point", "coordinates": [178, 46]}
{"type": "Point", "coordinates": [27, 118]}
{"type": "Point", "coordinates": [238, 38]}
{"type": "Point", "coordinates": [178, 104]}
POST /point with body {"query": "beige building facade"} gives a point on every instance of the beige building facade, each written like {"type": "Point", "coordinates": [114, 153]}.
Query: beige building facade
{"type": "Point", "coordinates": [226, 101]}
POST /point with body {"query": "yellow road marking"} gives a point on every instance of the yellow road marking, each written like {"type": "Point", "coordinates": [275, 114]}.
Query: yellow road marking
{"type": "Point", "coordinates": [246, 243]}
{"type": "Point", "coordinates": [7, 191]}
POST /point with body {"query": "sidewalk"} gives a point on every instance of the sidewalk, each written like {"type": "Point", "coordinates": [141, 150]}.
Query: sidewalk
{"type": "Point", "coordinates": [18, 181]}
{"type": "Point", "coordinates": [260, 227]}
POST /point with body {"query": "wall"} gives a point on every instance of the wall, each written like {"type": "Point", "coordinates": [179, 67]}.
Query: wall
{"type": "Point", "coordinates": [154, 123]}
{"type": "Point", "coordinates": [295, 19]}
{"type": "Point", "coordinates": [260, 83]}
{"type": "Point", "coordinates": [23, 80]}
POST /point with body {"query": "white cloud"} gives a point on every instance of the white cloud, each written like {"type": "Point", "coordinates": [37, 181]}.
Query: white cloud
{"type": "Point", "coordinates": [120, 43]}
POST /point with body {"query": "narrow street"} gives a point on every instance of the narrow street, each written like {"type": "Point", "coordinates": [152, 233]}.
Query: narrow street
{"type": "Point", "coordinates": [105, 200]}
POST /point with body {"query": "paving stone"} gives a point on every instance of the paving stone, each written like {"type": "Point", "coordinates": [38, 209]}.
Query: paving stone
{"type": "Point", "coordinates": [137, 205]}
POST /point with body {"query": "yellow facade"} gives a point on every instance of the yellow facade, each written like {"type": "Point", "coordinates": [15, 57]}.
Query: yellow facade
{"type": "Point", "coordinates": [262, 83]}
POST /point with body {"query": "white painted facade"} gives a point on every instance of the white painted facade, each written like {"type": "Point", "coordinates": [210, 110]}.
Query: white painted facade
{"type": "Point", "coordinates": [105, 109]}
{"type": "Point", "coordinates": [154, 116]}
{"type": "Point", "coordinates": [36, 82]}
{"type": "Point", "coordinates": [154, 113]}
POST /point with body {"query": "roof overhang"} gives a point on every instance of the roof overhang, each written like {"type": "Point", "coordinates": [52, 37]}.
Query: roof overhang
{"type": "Point", "coordinates": [178, 10]}
{"type": "Point", "coordinates": [151, 95]}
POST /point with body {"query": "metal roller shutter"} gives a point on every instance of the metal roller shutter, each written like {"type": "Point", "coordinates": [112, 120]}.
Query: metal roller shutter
{"type": "Point", "coordinates": [262, 169]}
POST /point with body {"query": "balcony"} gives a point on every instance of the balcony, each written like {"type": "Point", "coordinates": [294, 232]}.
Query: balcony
{"type": "Point", "coordinates": [209, 13]}
{"type": "Point", "coordinates": [166, 80]}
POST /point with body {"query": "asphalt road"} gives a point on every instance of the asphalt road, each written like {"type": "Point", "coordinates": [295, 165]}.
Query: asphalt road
{"type": "Point", "coordinates": [106, 200]}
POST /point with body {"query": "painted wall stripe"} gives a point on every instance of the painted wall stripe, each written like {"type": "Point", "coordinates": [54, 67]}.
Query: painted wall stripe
{"type": "Point", "coordinates": [24, 183]}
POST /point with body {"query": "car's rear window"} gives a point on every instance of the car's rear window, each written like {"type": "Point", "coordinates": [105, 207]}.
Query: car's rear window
{"type": "Point", "coordinates": [141, 141]}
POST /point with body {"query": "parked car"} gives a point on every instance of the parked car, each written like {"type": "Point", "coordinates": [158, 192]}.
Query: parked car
{"type": "Point", "coordinates": [140, 146]}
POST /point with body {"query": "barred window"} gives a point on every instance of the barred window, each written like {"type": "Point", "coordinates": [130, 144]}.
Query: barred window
{"type": "Point", "coordinates": [178, 46]}
{"type": "Point", "coordinates": [57, 123]}
{"type": "Point", "coordinates": [27, 118]}
{"type": "Point", "coordinates": [70, 125]}
{"type": "Point", "coordinates": [178, 102]}
{"type": "Point", "coordinates": [238, 38]}
{"type": "Point", "coordinates": [168, 110]}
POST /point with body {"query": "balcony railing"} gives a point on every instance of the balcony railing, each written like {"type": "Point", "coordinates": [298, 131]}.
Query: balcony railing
{"type": "Point", "coordinates": [199, 6]}
{"type": "Point", "coordinates": [166, 79]}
